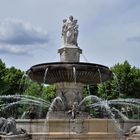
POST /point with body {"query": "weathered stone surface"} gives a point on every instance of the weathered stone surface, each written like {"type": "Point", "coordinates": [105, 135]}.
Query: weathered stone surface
{"type": "Point", "coordinates": [8, 127]}
{"type": "Point", "coordinates": [70, 53]}
{"type": "Point", "coordinates": [70, 31]}
{"type": "Point", "coordinates": [15, 137]}
{"type": "Point", "coordinates": [134, 137]}
{"type": "Point", "coordinates": [134, 133]}
{"type": "Point", "coordinates": [9, 131]}
{"type": "Point", "coordinates": [68, 129]}
{"type": "Point", "coordinates": [69, 93]}
{"type": "Point", "coordinates": [86, 73]}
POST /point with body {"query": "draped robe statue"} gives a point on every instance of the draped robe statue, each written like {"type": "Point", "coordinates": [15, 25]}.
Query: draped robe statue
{"type": "Point", "coordinates": [70, 32]}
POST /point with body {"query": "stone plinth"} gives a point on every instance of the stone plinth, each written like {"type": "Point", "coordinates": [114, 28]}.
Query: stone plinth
{"type": "Point", "coordinates": [134, 137]}
{"type": "Point", "coordinates": [70, 53]}
{"type": "Point", "coordinates": [128, 124]}
{"type": "Point", "coordinates": [15, 137]}
{"type": "Point", "coordinates": [67, 129]}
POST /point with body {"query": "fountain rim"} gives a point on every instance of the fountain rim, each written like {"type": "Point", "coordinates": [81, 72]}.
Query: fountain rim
{"type": "Point", "coordinates": [69, 63]}
{"type": "Point", "coordinates": [68, 66]}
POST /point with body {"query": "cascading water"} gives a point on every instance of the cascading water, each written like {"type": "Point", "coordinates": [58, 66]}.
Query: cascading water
{"type": "Point", "coordinates": [9, 101]}
{"type": "Point", "coordinates": [74, 74]}
{"type": "Point", "coordinates": [45, 74]}
{"type": "Point", "coordinates": [117, 84]}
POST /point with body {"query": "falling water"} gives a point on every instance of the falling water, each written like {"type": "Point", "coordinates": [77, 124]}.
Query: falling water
{"type": "Point", "coordinates": [100, 76]}
{"type": "Point", "coordinates": [45, 74]}
{"type": "Point", "coordinates": [20, 84]}
{"type": "Point", "coordinates": [85, 58]}
{"type": "Point", "coordinates": [117, 83]}
{"type": "Point", "coordinates": [109, 112]}
{"type": "Point", "coordinates": [90, 97]}
{"type": "Point", "coordinates": [109, 107]}
{"type": "Point", "coordinates": [14, 100]}
{"type": "Point", "coordinates": [25, 97]}
{"type": "Point", "coordinates": [56, 105]}
{"type": "Point", "coordinates": [74, 74]}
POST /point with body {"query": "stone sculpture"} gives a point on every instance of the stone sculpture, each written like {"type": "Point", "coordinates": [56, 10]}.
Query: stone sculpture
{"type": "Point", "coordinates": [134, 133]}
{"type": "Point", "coordinates": [8, 127]}
{"type": "Point", "coordinates": [70, 31]}
{"type": "Point", "coordinates": [74, 110]}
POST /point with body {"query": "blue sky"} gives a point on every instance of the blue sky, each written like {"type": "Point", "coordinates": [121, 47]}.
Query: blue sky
{"type": "Point", "coordinates": [30, 30]}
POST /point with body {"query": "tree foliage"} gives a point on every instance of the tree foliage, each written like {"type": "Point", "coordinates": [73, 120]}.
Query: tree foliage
{"type": "Point", "coordinates": [126, 83]}
{"type": "Point", "coordinates": [2, 75]}
{"type": "Point", "coordinates": [39, 90]}
{"type": "Point", "coordinates": [10, 79]}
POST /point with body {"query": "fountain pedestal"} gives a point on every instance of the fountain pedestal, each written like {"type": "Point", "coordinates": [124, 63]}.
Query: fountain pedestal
{"type": "Point", "coordinates": [69, 93]}
{"type": "Point", "coordinates": [69, 53]}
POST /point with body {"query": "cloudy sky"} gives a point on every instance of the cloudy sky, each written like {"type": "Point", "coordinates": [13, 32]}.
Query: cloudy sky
{"type": "Point", "coordinates": [30, 30]}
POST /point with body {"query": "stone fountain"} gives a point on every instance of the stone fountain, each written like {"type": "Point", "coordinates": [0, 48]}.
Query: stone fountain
{"type": "Point", "coordinates": [65, 118]}
{"type": "Point", "coordinates": [69, 75]}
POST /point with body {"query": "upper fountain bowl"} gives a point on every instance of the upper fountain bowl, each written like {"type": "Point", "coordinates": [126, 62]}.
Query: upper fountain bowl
{"type": "Point", "coordinates": [56, 72]}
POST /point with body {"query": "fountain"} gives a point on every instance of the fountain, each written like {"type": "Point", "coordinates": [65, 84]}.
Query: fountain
{"type": "Point", "coordinates": [68, 116]}
{"type": "Point", "coordinates": [69, 75]}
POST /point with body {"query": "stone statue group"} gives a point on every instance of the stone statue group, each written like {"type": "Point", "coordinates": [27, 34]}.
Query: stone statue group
{"type": "Point", "coordinates": [70, 31]}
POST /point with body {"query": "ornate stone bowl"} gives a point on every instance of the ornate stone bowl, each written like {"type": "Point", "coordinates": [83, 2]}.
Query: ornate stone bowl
{"type": "Point", "coordinates": [86, 73]}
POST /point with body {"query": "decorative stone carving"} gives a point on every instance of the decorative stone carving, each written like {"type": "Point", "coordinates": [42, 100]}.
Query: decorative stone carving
{"type": "Point", "coordinates": [70, 54]}
{"type": "Point", "coordinates": [78, 126]}
{"type": "Point", "coordinates": [8, 127]}
{"type": "Point", "coordinates": [69, 93]}
{"type": "Point", "coordinates": [70, 32]}
{"type": "Point", "coordinates": [134, 133]}
{"type": "Point", "coordinates": [74, 110]}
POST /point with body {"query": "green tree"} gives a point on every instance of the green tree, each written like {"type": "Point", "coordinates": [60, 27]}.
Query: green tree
{"type": "Point", "coordinates": [125, 84]}
{"type": "Point", "coordinates": [34, 89]}
{"type": "Point", "coordinates": [49, 92]}
{"type": "Point", "coordinates": [12, 79]}
{"type": "Point", "coordinates": [39, 90]}
{"type": "Point", "coordinates": [2, 74]}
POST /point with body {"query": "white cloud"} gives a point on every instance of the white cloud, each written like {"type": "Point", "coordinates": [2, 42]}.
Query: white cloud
{"type": "Point", "coordinates": [8, 49]}
{"type": "Point", "coordinates": [17, 36]}
{"type": "Point", "coordinates": [18, 32]}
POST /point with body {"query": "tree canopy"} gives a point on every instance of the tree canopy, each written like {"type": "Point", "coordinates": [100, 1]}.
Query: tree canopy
{"type": "Point", "coordinates": [10, 79]}
{"type": "Point", "coordinates": [125, 84]}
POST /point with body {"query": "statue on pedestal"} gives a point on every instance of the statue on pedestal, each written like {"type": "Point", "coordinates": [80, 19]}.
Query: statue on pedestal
{"type": "Point", "coordinates": [70, 31]}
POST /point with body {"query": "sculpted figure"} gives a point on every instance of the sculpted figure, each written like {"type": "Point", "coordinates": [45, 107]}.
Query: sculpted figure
{"type": "Point", "coordinates": [135, 130]}
{"type": "Point", "coordinates": [64, 31]}
{"type": "Point", "coordinates": [8, 127]}
{"type": "Point", "coordinates": [74, 110]}
{"type": "Point", "coordinates": [70, 31]}
{"type": "Point", "coordinates": [75, 32]}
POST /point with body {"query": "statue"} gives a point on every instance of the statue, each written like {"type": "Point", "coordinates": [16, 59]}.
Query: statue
{"type": "Point", "coordinates": [8, 127]}
{"type": "Point", "coordinates": [70, 31]}
{"type": "Point", "coordinates": [135, 130]}
{"type": "Point", "coordinates": [74, 110]}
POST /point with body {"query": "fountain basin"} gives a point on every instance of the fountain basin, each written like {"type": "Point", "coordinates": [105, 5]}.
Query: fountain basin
{"type": "Point", "coordinates": [70, 129]}
{"type": "Point", "coordinates": [86, 73]}
{"type": "Point", "coordinates": [15, 137]}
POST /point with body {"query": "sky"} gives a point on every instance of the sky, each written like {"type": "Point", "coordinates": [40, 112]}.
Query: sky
{"type": "Point", "coordinates": [30, 31]}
